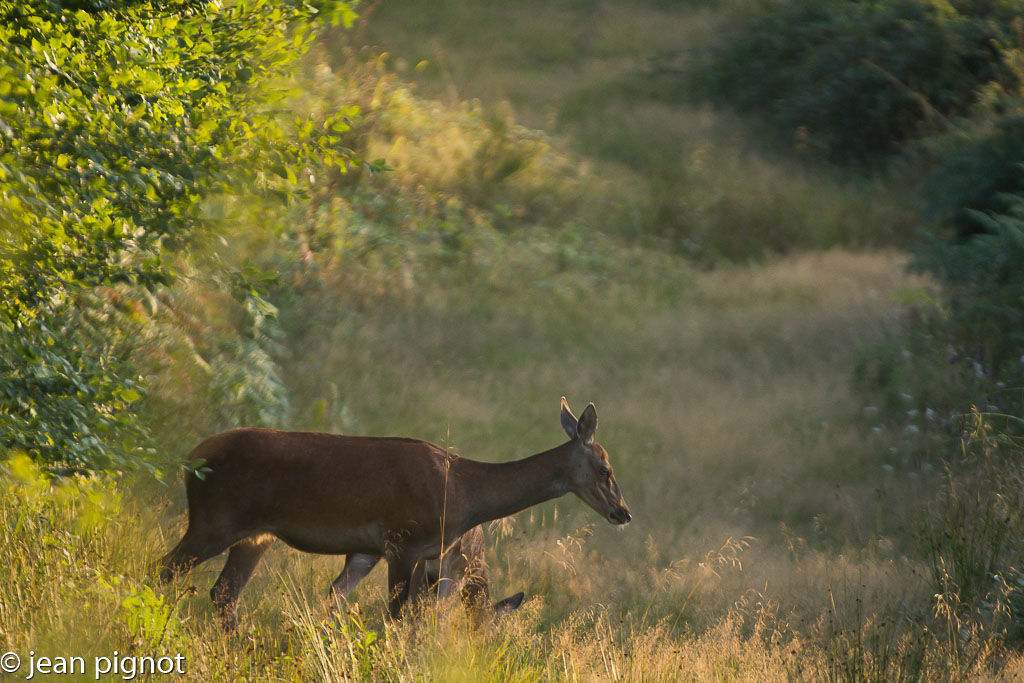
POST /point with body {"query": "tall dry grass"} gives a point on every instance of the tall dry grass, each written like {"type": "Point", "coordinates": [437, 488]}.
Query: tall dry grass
{"type": "Point", "coordinates": [768, 541]}
{"type": "Point", "coordinates": [773, 537]}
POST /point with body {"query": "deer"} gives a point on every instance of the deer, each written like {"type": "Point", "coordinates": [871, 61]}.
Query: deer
{"type": "Point", "coordinates": [461, 566]}
{"type": "Point", "coordinates": [403, 499]}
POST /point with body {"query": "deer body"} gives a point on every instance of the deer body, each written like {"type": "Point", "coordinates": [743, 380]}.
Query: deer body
{"type": "Point", "coordinates": [402, 499]}
{"type": "Point", "coordinates": [316, 492]}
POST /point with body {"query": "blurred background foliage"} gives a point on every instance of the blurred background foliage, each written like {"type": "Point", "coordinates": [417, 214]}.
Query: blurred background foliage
{"type": "Point", "coordinates": [854, 81]}
{"type": "Point", "coordinates": [187, 197]}
{"type": "Point", "coordinates": [280, 214]}
{"type": "Point", "coordinates": [121, 125]}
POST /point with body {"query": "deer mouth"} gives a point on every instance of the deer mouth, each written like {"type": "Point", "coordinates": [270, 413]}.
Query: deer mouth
{"type": "Point", "coordinates": [620, 516]}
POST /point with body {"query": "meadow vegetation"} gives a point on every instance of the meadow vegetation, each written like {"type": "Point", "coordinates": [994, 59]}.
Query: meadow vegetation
{"type": "Point", "coordinates": [434, 224]}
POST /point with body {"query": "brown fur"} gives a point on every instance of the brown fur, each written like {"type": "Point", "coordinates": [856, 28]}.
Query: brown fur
{"type": "Point", "coordinates": [402, 499]}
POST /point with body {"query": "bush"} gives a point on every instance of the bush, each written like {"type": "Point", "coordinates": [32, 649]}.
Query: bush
{"type": "Point", "coordinates": [117, 126]}
{"type": "Point", "coordinates": [853, 81]}
{"type": "Point", "coordinates": [978, 175]}
{"type": "Point", "coordinates": [467, 186]}
{"type": "Point", "coordinates": [984, 288]}
{"type": "Point", "coordinates": [964, 348]}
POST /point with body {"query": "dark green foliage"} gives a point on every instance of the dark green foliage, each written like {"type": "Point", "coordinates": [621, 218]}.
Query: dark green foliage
{"type": "Point", "coordinates": [981, 174]}
{"type": "Point", "coordinates": [116, 125]}
{"type": "Point", "coordinates": [67, 384]}
{"type": "Point", "coordinates": [984, 286]}
{"type": "Point", "coordinates": [853, 81]}
{"type": "Point", "coordinates": [914, 368]}
{"type": "Point", "coordinates": [966, 348]}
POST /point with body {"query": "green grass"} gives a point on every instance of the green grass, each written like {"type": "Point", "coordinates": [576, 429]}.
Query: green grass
{"type": "Point", "coordinates": [778, 521]}
{"type": "Point", "coordinates": [730, 389]}
{"type": "Point", "coordinates": [767, 543]}
{"type": "Point", "coordinates": [695, 179]}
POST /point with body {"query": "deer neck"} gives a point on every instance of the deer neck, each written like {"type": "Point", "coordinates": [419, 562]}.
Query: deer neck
{"type": "Point", "coordinates": [495, 490]}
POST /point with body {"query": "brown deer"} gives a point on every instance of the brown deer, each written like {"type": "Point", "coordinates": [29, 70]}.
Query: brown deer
{"type": "Point", "coordinates": [403, 499]}
{"type": "Point", "coordinates": [462, 566]}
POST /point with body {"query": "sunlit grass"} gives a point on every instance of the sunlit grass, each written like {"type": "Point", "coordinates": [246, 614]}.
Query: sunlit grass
{"type": "Point", "coordinates": [701, 180]}
{"type": "Point", "coordinates": [79, 579]}
{"type": "Point", "coordinates": [456, 299]}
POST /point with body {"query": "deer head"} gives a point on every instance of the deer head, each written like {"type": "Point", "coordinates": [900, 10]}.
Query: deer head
{"type": "Point", "coordinates": [590, 473]}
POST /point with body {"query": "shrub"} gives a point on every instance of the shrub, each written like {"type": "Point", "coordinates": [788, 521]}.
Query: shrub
{"type": "Point", "coordinates": [965, 347]}
{"type": "Point", "coordinates": [853, 81]}
{"type": "Point", "coordinates": [117, 125]}
{"type": "Point", "coordinates": [979, 174]}
{"type": "Point", "coordinates": [467, 186]}
{"type": "Point", "coordinates": [984, 287]}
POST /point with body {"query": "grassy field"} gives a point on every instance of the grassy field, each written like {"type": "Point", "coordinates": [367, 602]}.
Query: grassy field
{"type": "Point", "coordinates": [696, 178]}
{"type": "Point", "coordinates": [712, 296]}
{"type": "Point", "coordinates": [769, 538]}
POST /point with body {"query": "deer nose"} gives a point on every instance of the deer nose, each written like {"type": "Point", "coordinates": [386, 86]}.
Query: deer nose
{"type": "Point", "coordinates": [622, 516]}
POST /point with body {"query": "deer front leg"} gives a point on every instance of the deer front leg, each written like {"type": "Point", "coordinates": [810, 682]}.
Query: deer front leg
{"type": "Point", "coordinates": [447, 576]}
{"type": "Point", "coordinates": [399, 582]}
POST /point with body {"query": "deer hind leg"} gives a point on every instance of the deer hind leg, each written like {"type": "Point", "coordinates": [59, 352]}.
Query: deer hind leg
{"type": "Point", "coordinates": [193, 548]}
{"type": "Point", "coordinates": [242, 560]}
{"type": "Point", "coordinates": [357, 566]}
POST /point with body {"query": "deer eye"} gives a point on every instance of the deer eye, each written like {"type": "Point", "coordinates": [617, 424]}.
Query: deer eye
{"type": "Point", "coordinates": [605, 472]}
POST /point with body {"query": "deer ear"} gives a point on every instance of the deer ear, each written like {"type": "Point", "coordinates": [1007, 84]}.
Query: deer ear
{"type": "Point", "coordinates": [587, 424]}
{"type": "Point", "coordinates": [509, 604]}
{"type": "Point", "coordinates": [568, 420]}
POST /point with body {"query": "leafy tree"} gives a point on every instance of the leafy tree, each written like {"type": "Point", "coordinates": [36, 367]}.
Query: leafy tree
{"type": "Point", "coordinates": [979, 174]}
{"type": "Point", "coordinates": [854, 80]}
{"type": "Point", "coordinates": [984, 284]}
{"type": "Point", "coordinates": [118, 122]}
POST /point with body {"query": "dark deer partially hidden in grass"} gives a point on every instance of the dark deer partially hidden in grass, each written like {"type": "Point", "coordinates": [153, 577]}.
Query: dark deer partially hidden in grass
{"type": "Point", "coordinates": [403, 499]}
{"type": "Point", "coordinates": [462, 567]}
